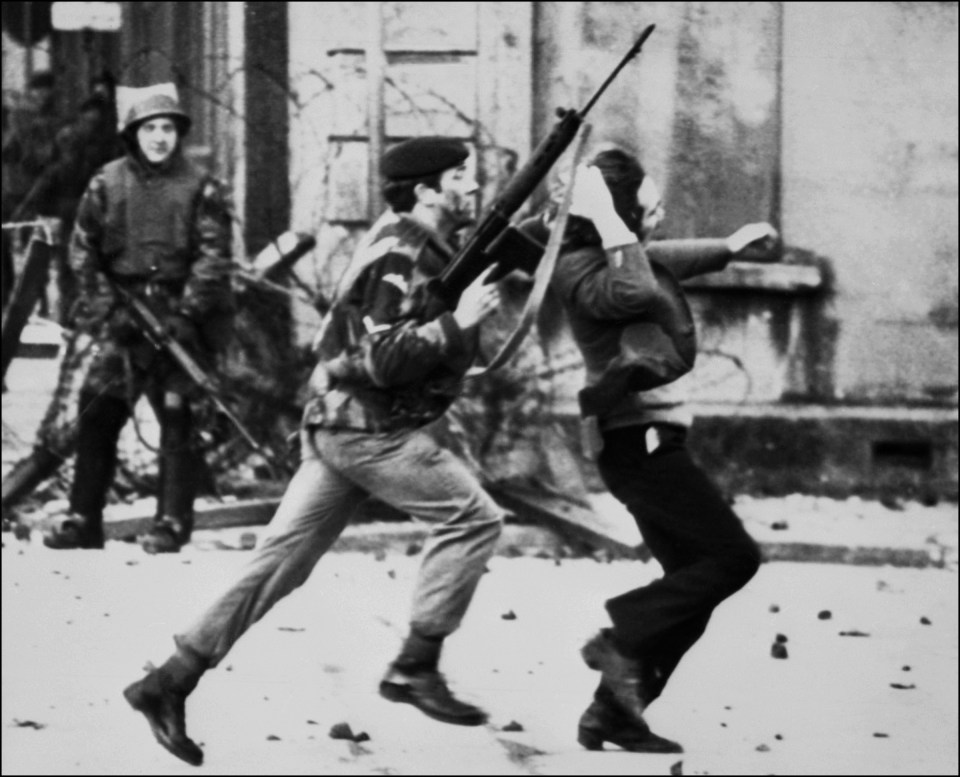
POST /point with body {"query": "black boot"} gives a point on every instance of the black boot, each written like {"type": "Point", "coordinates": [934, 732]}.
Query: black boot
{"type": "Point", "coordinates": [621, 675]}
{"type": "Point", "coordinates": [414, 678]}
{"type": "Point", "coordinates": [74, 531]}
{"type": "Point", "coordinates": [167, 535]}
{"type": "Point", "coordinates": [604, 721]}
{"type": "Point", "coordinates": [161, 697]}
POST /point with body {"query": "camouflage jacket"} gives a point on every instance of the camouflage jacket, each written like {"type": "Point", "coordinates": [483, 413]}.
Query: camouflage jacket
{"type": "Point", "coordinates": [389, 359]}
{"type": "Point", "coordinates": [201, 289]}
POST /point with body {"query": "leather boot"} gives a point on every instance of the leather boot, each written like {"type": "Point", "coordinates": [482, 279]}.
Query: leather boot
{"type": "Point", "coordinates": [604, 721]}
{"type": "Point", "coordinates": [167, 535]}
{"type": "Point", "coordinates": [161, 697]}
{"type": "Point", "coordinates": [620, 674]}
{"type": "Point", "coordinates": [74, 531]}
{"type": "Point", "coordinates": [414, 678]}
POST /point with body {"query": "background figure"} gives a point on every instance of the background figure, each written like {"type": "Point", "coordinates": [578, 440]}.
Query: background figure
{"type": "Point", "coordinates": [29, 146]}
{"type": "Point", "coordinates": [631, 321]}
{"type": "Point", "coordinates": [81, 148]}
{"type": "Point", "coordinates": [156, 226]}
{"type": "Point", "coordinates": [391, 363]}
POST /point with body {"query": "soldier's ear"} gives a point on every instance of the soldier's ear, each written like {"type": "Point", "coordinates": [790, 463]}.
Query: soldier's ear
{"type": "Point", "coordinates": [426, 195]}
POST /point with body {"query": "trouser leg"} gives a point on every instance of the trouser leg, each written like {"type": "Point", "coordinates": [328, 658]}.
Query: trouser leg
{"type": "Point", "coordinates": [101, 418]}
{"type": "Point", "coordinates": [179, 463]}
{"type": "Point", "coordinates": [411, 472]}
{"type": "Point", "coordinates": [317, 505]}
{"type": "Point", "coordinates": [705, 552]}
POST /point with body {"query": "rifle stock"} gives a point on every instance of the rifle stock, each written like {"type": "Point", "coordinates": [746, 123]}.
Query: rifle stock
{"type": "Point", "coordinates": [475, 256]}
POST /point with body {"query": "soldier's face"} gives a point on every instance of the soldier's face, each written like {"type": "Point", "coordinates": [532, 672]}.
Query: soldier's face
{"type": "Point", "coordinates": [458, 186]}
{"type": "Point", "coordinates": [157, 139]}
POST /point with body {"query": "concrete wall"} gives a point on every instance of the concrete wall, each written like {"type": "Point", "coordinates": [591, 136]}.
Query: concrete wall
{"type": "Point", "coordinates": [870, 183]}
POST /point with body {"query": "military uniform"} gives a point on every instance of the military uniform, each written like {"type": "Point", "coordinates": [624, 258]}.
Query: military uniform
{"type": "Point", "coordinates": [163, 233]}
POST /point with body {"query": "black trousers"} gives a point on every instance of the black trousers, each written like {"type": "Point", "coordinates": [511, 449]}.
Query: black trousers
{"type": "Point", "coordinates": [705, 552]}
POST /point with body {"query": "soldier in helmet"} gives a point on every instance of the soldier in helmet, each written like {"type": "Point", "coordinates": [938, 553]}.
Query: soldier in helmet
{"type": "Point", "coordinates": [391, 363]}
{"type": "Point", "coordinates": [155, 225]}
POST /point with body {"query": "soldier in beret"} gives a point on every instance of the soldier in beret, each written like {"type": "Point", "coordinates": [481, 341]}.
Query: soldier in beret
{"type": "Point", "coordinates": [390, 363]}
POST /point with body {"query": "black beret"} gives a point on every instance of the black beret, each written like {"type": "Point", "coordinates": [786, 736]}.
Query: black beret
{"type": "Point", "coordinates": [421, 157]}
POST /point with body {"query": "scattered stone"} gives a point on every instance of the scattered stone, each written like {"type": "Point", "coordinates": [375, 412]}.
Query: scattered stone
{"type": "Point", "coordinates": [781, 637]}
{"type": "Point", "coordinates": [312, 722]}
{"type": "Point", "coordinates": [892, 502]}
{"type": "Point", "coordinates": [229, 668]}
{"type": "Point", "coordinates": [22, 532]}
{"type": "Point", "coordinates": [291, 628]}
{"type": "Point", "coordinates": [273, 738]}
{"type": "Point", "coordinates": [902, 686]}
{"type": "Point", "coordinates": [779, 525]}
{"type": "Point", "coordinates": [132, 563]}
{"type": "Point", "coordinates": [392, 574]}
{"type": "Point", "coordinates": [824, 615]}
{"type": "Point", "coordinates": [414, 548]}
{"type": "Point", "coordinates": [926, 621]}
{"type": "Point", "coordinates": [379, 554]}
{"type": "Point", "coordinates": [778, 650]}
{"type": "Point", "coordinates": [854, 633]}
{"type": "Point", "coordinates": [763, 748]}
{"type": "Point", "coordinates": [248, 540]}
{"type": "Point", "coordinates": [28, 724]}
{"type": "Point", "coordinates": [343, 731]}
{"type": "Point", "coordinates": [676, 768]}
{"type": "Point", "coordinates": [880, 735]}
{"type": "Point", "coordinates": [512, 726]}
{"type": "Point", "coordinates": [728, 707]}
{"type": "Point", "coordinates": [774, 608]}
{"type": "Point", "coordinates": [510, 615]}
{"type": "Point", "coordinates": [906, 667]}
{"type": "Point", "coordinates": [778, 737]}
{"type": "Point", "coordinates": [724, 725]}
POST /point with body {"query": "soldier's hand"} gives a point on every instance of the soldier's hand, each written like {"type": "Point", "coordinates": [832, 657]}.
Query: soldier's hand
{"type": "Point", "coordinates": [123, 329]}
{"type": "Point", "coordinates": [477, 302]}
{"type": "Point", "coordinates": [754, 243]}
{"type": "Point", "coordinates": [182, 329]}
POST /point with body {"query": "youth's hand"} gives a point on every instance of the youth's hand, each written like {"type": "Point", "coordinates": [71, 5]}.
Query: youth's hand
{"type": "Point", "coordinates": [754, 243]}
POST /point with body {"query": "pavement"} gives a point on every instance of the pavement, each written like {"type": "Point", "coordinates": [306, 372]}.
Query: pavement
{"type": "Point", "coordinates": [867, 610]}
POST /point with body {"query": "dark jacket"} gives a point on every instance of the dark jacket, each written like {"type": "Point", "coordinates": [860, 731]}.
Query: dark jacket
{"type": "Point", "coordinates": [389, 358]}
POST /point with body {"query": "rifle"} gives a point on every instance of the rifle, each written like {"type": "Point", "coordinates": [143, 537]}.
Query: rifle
{"type": "Point", "coordinates": [481, 249]}
{"type": "Point", "coordinates": [157, 335]}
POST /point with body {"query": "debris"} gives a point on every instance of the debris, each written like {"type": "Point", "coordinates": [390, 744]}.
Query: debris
{"type": "Point", "coordinates": [512, 726]}
{"type": "Point", "coordinates": [379, 554]}
{"type": "Point", "coordinates": [926, 621]}
{"type": "Point", "coordinates": [824, 615]}
{"type": "Point", "coordinates": [132, 563]}
{"type": "Point", "coordinates": [248, 540]}
{"type": "Point", "coordinates": [22, 532]}
{"type": "Point", "coordinates": [781, 637]}
{"type": "Point", "coordinates": [854, 633]}
{"type": "Point", "coordinates": [273, 738]}
{"type": "Point", "coordinates": [892, 502]}
{"type": "Point", "coordinates": [312, 722]}
{"type": "Point", "coordinates": [779, 525]}
{"type": "Point", "coordinates": [778, 650]}
{"type": "Point", "coordinates": [291, 628]}
{"type": "Point", "coordinates": [902, 687]}
{"type": "Point", "coordinates": [763, 748]}
{"type": "Point", "coordinates": [414, 548]}
{"type": "Point", "coordinates": [778, 737]}
{"type": "Point", "coordinates": [512, 551]}
{"type": "Point", "coordinates": [343, 731]}
{"type": "Point", "coordinates": [905, 668]}
{"type": "Point", "coordinates": [880, 735]}
{"type": "Point", "coordinates": [676, 768]}
{"type": "Point", "coordinates": [28, 724]}
{"type": "Point", "coordinates": [774, 608]}
{"type": "Point", "coordinates": [510, 615]}
{"type": "Point", "coordinates": [392, 574]}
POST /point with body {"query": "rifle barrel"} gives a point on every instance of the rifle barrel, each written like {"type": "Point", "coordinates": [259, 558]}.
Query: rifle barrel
{"type": "Point", "coordinates": [635, 49]}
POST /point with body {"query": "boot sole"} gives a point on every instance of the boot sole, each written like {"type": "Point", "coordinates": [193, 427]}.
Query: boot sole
{"type": "Point", "coordinates": [592, 739]}
{"type": "Point", "coordinates": [403, 695]}
{"type": "Point", "coordinates": [136, 700]}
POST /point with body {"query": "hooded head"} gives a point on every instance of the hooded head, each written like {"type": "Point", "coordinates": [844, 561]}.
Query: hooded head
{"type": "Point", "coordinates": [148, 110]}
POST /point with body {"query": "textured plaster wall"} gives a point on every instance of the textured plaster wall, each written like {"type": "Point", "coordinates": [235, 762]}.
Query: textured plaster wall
{"type": "Point", "coordinates": [870, 183]}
